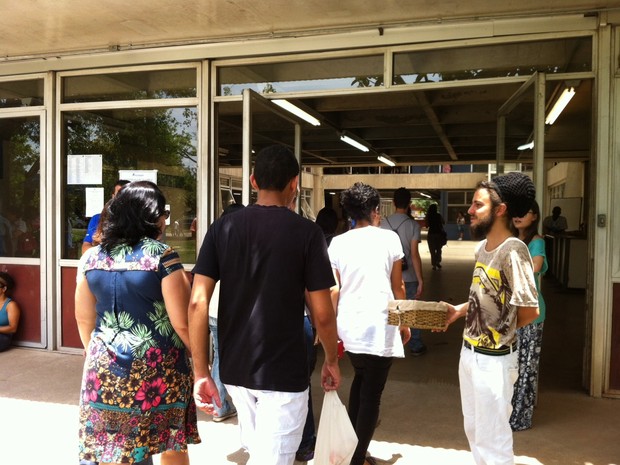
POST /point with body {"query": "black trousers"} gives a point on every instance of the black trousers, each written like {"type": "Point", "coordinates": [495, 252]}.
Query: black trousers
{"type": "Point", "coordinates": [5, 341]}
{"type": "Point", "coordinates": [371, 372]}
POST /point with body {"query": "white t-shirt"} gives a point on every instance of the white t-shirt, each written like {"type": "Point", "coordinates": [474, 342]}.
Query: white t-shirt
{"type": "Point", "coordinates": [364, 259]}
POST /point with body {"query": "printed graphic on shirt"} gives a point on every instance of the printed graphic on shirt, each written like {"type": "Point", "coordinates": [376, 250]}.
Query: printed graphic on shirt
{"type": "Point", "coordinates": [488, 317]}
{"type": "Point", "coordinates": [503, 280]}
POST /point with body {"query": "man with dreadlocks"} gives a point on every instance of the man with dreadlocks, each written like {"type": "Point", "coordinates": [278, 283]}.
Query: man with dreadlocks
{"type": "Point", "coordinates": [502, 297]}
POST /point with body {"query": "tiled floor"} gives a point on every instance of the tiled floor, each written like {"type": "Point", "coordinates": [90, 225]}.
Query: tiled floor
{"type": "Point", "coordinates": [421, 421]}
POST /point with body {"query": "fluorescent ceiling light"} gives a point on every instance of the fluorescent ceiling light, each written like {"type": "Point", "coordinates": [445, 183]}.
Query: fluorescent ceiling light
{"type": "Point", "coordinates": [528, 146]}
{"type": "Point", "coordinates": [383, 158]}
{"type": "Point", "coordinates": [425, 195]}
{"type": "Point", "coordinates": [354, 142]}
{"type": "Point", "coordinates": [288, 106]}
{"type": "Point", "coordinates": [560, 104]}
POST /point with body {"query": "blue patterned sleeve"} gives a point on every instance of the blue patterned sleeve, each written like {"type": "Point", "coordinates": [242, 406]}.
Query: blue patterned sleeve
{"type": "Point", "coordinates": [169, 262]}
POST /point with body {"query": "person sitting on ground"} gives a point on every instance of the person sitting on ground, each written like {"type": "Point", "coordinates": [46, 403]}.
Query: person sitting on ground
{"type": "Point", "coordinates": [9, 311]}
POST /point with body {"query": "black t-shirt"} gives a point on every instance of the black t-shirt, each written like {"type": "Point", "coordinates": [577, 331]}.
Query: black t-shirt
{"type": "Point", "coordinates": [264, 258]}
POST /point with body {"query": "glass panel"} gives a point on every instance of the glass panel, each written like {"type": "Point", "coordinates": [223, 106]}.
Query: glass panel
{"type": "Point", "coordinates": [20, 156]}
{"type": "Point", "coordinates": [267, 129]}
{"type": "Point", "coordinates": [160, 141]}
{"type": "Point", "coordinates": [456, 197]}
{"type": "Point", "coordinates": [139, 85]}
{"type": "Point", "coordinates": [334, 73]}
{"type": "Point", "coordinates": [521, 59]}
{"type": "Point", "coordinates": [21, 93]}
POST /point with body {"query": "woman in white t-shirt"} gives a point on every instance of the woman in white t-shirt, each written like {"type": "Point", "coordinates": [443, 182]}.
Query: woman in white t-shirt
{"type": "Point", "coordinates": [367, 266]}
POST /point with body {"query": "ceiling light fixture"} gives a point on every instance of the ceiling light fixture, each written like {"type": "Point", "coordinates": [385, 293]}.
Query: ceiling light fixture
{"type": "Point", "coordinates": [288, 106]}
{"type": "Point", "coordinates": [383, 158]}
{"type": "Point", "coordinates": [425, 195]}
{"type": "Point", "coordinates": [354, 141]}
{"type": "Point", "coordinates": [528, 146]}
{"type": "Point", "coordinates": [560, 104]}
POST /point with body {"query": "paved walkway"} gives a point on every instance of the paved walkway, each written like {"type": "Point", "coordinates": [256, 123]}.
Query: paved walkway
{"type": "Point", "coordinates": [421, 421]}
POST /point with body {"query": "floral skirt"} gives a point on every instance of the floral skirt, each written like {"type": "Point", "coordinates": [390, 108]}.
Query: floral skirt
{"type": "Point", "coordinates": [130, 413]}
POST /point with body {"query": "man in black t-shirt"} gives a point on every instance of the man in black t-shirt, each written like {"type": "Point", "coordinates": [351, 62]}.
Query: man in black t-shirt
{"type": "Point", "coordinates": [267, 258]}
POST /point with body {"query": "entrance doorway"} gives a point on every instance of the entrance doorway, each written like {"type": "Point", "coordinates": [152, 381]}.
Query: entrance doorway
{"type": "Point", "coordinates": [22, 219]}
{"type": "Point", "coordinates": [442, 131]}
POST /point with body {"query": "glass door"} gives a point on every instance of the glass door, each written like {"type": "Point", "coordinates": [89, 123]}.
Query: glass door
{"type": "Point", "coordinates": [264, 124]}
{"type": "Point", "coordinates": [22, 221]}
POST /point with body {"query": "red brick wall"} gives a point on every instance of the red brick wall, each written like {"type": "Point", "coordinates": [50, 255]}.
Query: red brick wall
{"type": "Point", "coordinates": [614, 372]}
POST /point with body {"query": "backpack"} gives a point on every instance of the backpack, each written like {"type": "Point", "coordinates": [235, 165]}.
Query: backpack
{"type": "Point", "coordinates": [404, 259]}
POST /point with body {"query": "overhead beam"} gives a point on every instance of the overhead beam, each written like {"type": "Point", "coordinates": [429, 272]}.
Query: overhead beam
{"type": "Point", "coordinates": [432, 117]}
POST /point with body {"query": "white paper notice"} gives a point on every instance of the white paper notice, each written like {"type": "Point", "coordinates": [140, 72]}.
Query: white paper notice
{"type": "Point", "coordinates": [84, 169]}
{"type": "Point", "coordinates": [138, 175]}
{"type": "Point", "coordinates": [94, 201]}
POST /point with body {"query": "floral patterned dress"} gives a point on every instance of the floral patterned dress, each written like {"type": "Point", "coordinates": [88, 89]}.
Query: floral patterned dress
{"type": "Point", "coordinates": [136, 397]}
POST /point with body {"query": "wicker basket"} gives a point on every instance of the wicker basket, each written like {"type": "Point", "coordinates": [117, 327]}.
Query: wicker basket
{"type": "Point", "coordinates": [417, 314]}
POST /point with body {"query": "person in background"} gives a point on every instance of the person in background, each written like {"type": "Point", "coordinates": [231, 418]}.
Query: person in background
{"type": "Point", "coordinates": [556, 223]}
{"type": "Point", "coordinates": [193, 228]}
{"type": "Point", "coordinates": [227, 409]}
{"type": "Point", "coordinates": [94, 221]}
{"type": "Point", "coordinates": [367, 264]}
{"type": "Point", "coordinates": [6, 237]}
{"type": "Point", "coordinates": [529, 337]}
{"type": "Point", "coordinates": [131, 310]}
{"type": "Point", "coordinates": [267, 259]}
{"type": "Point", "coordinates": [327, 219]}
{"type": "Point", "coordinates": [408, 230]}
{"type": "Point", "coordinates": [436, 235]}
{"type": "Point", "coordinates": [9, 311]}
{"type": "Point", "coordinates": [502, 298]}
{"type": "Point", "coordinates": [460, 224]}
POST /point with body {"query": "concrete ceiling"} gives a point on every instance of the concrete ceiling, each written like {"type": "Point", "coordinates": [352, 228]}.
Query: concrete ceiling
{"type": "Point", "coordinates": [443, 126]}
{"type": "Point", "coordinates": [48, 27]}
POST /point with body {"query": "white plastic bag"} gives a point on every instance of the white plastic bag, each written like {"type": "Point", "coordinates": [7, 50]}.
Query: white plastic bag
{"type": "Point", "coordinates": [336, 439]}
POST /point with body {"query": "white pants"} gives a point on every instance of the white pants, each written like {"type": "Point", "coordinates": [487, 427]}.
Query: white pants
{"type": "Point", "coordinates": [271, 423]}
{"type": "Point", "coordinates": [487, 384]}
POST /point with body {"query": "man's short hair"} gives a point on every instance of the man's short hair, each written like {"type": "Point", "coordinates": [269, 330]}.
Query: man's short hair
{"type": "Point", "coordinates": [274, 168]}
{"type": "Point", "coordinates": [402, 197]}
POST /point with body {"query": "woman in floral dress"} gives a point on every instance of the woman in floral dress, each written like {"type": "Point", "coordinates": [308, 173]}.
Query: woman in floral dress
{"type": "Point", "coordinates": [131, 308]}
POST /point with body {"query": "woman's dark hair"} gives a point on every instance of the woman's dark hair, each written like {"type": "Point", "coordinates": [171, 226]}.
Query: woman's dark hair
{"type": "Point", "coordinates": [532, 230]}
{"type": "Point", "coordinates": [327, 219]}
{"type": "Point", "coordinates": [133, 214]}
{"type": "Point", "coordinates": [359, 201]}
{"type": "Point", "coordinates": [8, 281]}
{"type": "Point", "coordinates": [103, 219]}
{"type": "Point", "coordinates": [432, 210]}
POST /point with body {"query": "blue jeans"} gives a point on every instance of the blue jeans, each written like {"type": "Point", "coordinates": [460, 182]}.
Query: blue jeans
{"type": "Point", "coordinates": [308, 437]}
{"type": "Point", "coordinates": [415, 343]}
{"type": "Point", "coordinates": [215, 372]}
